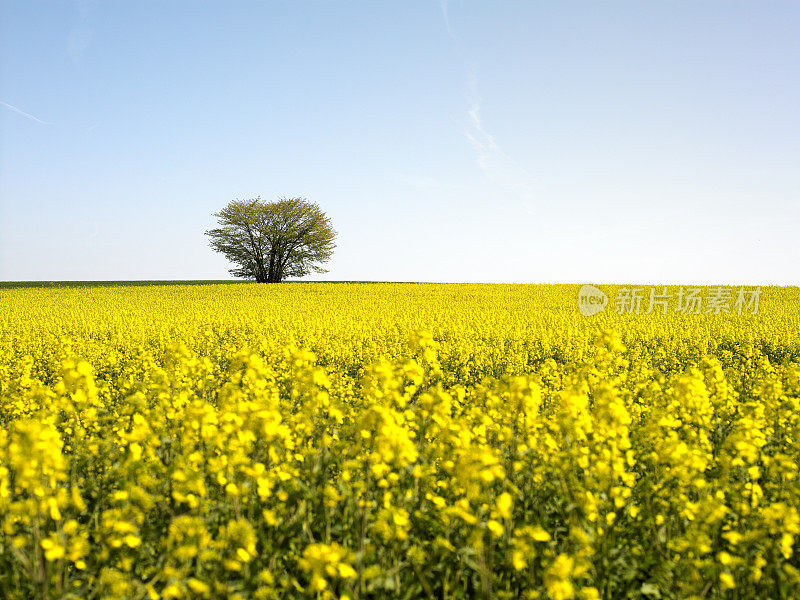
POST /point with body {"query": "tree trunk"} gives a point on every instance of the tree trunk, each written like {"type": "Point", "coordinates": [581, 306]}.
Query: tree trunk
{"type": "Point", "coordinates": [271, 273]}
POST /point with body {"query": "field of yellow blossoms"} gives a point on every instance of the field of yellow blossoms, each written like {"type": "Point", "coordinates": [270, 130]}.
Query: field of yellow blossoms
{"type": "Point", "coordinates": [335, 441]}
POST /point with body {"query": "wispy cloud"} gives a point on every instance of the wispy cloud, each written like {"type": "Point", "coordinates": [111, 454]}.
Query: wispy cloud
{"type": "Point", "coordinates": [496, 164]}
{"type": "Point", "coordinates": [23, 113]}
{"type": "Point", "coordinates": [446, 18]}
{"type": "Point", "coordinates": [480, 139]}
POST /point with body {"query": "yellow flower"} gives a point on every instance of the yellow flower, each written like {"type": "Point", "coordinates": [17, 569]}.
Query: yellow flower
{"type": "Point", "coordinates": [346, 571]}
{"type": "Point", "coordinates": [243, 555]}
{"type": "Point", "coordinates": [540, 535]}
{"type": "Point", "coordinates": [495, 527]}
{"type": "Point", "coordinates": [53, 550]}
{"type": "Point", "coordinates": [198, 587]}
{"type": "Point", "coordinates": [503, 504]}
{"type": "Point", "coordinates": [726, 581]}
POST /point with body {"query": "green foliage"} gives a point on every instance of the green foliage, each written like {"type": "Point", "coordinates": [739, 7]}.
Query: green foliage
{"type": "Point", "coordinates": [270, 241]}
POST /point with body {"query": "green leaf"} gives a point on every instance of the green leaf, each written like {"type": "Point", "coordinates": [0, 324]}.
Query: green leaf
{"type": "Point", "coordinates": [648, 589]}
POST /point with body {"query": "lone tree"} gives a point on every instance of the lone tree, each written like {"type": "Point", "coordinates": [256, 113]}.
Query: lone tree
{"type": "Point", "coordinates": [269, 241]}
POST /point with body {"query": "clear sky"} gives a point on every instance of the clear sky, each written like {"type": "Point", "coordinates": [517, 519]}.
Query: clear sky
{"type": "Point", "coordinates": [641, 142]}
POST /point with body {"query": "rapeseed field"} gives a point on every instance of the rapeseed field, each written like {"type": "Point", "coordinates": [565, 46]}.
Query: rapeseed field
{"type": "Point", "coordinates": [354, 441]}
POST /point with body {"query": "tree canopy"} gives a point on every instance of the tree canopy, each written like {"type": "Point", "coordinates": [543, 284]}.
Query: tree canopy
{"type": "Point", "coordinates": [270, 241]}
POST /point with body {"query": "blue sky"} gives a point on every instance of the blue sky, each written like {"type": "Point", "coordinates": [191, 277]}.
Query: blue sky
{"type": "Point", "coordinates": [448, 141]}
